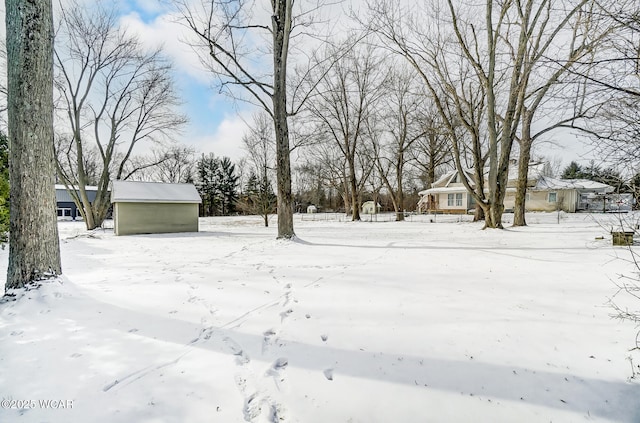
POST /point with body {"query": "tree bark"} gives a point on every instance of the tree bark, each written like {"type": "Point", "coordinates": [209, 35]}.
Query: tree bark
{"type": "Point", "coordinates": [281, 20]}
{"type": "Point", "coordinates": [34, 248]}
{"type": "Point", "coordinates": [399, 192]}
{"type": "Point", "coordinates": [519, 208]}
{"type": "Point", "coordinates": [355, 206]}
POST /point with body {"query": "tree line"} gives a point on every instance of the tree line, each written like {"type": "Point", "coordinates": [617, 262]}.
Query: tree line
{"type": "Point", "coordinates": [409, 91]}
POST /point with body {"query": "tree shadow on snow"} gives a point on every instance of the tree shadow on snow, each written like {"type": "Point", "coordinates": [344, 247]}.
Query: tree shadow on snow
{"type": "Point", "coordinates": [561, 390]}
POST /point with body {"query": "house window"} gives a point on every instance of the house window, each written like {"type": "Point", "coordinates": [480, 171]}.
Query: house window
{"type": "Point", "coordinates": [64, 212]}
{"type": "Point", "coordinates": [459, 199]}
{"type": "Point", "coordinates": [553, 197]}
{"type": "Point", "coordinates": [450, 199]}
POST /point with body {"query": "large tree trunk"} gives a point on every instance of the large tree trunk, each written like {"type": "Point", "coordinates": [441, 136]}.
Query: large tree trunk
{"type": "Point", "coordinates": [523, 174]}
{"type": "Point", "coordinates": [400, 203]}
{"type": "Point", "coordinates": [34, 249]}
{"type": "Point", "coordinates": [355, 206]}
{"type": "Point", "coordinates": [281, 31]}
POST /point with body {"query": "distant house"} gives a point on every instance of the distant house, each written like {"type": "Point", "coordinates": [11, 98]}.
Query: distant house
{"type": "Point", "coordinates": [570, 195]}
{"type": "Point", "coordinates": [369, 207]}
{"type": "Point", "coordinates": [66, 208]}
{"type": "Point", "coordinates": [312, 209]}
{"type": "Point", "coordinates": [449, 195]}
{"type": "Point", "coordinates": [153, 207]}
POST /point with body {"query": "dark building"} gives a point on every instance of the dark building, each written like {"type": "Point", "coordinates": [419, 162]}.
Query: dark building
{"type": "Point", "coordinates": [66, 207]}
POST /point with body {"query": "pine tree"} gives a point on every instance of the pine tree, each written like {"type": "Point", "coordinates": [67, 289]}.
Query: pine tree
{"type": "Point", "coordinates": [217, 184]}
{"type": "Point", "coordinates": [207, 183]}
{"type": "Point", "coordinates": [228, 186]}
{"type": "Point", "coordinates": [259, 197]}
{"type": "Point", "coordinates": [573, 171]}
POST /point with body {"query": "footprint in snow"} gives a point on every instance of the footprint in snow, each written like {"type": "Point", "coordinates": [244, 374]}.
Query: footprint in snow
{"type": "Point", "coordinates": [241, 357]}
{"type": "Point", "coordinates": [276, 371]}
{"type": "Point", "coordinates": [328, 373]}
{"type": "Point", "coordinates": [285, 314]}
{"type": "Point", "coordinates": [324, 337]}
{"type": "Point", "coordinates": [268, 339]}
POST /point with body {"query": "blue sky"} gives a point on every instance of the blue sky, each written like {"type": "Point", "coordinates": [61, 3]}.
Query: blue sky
{"type": "Point", "coordinates": [216, 122]}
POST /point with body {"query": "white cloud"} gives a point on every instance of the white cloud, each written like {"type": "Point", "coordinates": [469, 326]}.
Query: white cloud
{"type": "Point", "coordinates": [226, 140]}
{"type": "Point", "coordinates": [167, 32]}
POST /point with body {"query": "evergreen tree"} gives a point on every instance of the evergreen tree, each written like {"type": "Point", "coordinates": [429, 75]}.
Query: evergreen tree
{"type": "Point", "coordinates": [208, 172]}
{"type": "Point", "coordinates": [573, 171]}
{"type": "Point", "coordinates": [217, 183]}
{"type": "Point", "coordinates": [259, 197]}
{"type": "Point", "coordinates": [228, 186]}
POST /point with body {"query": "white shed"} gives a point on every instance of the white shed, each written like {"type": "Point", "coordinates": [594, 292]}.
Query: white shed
{"type": "Point", "coordinates": [312, 209]}
{"type": "Point", "coordinates": [368, 207]}
{"type": "Point", "coordinates": [154, 207]}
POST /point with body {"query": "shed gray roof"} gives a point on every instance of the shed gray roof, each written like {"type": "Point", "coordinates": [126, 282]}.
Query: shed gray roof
{"type": "Point", "coordinates": [153, 192]}
{"type": "Point", "coordinates": [63, 196]}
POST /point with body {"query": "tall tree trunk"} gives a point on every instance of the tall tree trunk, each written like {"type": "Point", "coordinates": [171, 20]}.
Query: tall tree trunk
{"type": "Point", "coordinates": [523, 174]}
{"type": "Point", "coordinates": [34, 248]}
{"type": "Point", "coordinates": [281, 20]}
{"type": "Point", "coordinates": [355, 214]}
{"type": "Point", "coordinates": [399, 193]}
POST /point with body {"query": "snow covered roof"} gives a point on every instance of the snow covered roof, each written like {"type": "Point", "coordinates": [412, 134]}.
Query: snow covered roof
{"type": "Point", "coordinates": [442, 189]}
{"type": "Point", "coordinates": [153, 192]}
{"type": "Point", "coordinates": [545, 182]}
{"type": "Point", "coordinates": [63, 196]}
{"type": "Point", "coordinates": [86, 188]}
{"type": "Point", "coordinates": [449, 178]}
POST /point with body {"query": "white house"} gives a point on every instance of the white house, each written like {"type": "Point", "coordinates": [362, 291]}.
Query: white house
{"type": "Point", "coordinates": [449, 195]}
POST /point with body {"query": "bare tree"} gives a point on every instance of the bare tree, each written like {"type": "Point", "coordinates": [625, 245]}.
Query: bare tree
{"type": "Point", "coordinates": [497, 53]}
{"type": "Point", "coordinates": [345, 100]}
{"type": "Point", "coordinates": [459, 99]}
{"type": "Point", "coordinates": [546, 62]}
{"type": "Point", "coordinates": [248, 52]}
{"type": "Point", "coordinates": [115, 96]}
{"type": "Point", "coordinates": [34, 250]}
{"type": "Point", "coordinates": [432, 151]}
{"type": "Point", "coordinates": [172, 164]}
{"type": "Point", "coordinates": [258, 197]}
{"type": "Point", "coordinates": [609, 98]}
{"type": "Point", "coordinates": [405, 126]}
{"type": "Point", "coordinates": [331, 167]}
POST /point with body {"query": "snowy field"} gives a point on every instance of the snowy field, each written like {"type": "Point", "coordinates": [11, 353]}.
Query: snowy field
{"type": "Point", "coordinates": [353, 322]}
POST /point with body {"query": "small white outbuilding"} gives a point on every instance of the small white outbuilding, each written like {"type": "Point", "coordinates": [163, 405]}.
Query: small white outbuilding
{"type": "Point", "coordinates": [369, 207]}
{"type": "Point", "coordinates": [154, 207]}
{"type": "Point", "coordinates": [312, 209]}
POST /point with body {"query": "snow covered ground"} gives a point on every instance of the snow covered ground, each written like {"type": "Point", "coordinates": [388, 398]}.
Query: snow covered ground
{"type": "Point", "coordinates": [415, 321]}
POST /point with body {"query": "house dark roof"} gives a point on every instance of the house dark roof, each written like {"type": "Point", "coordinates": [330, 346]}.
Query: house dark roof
{"type": "Point", "coordinates": [153, 192]}
{"type": "Point", "coordinates": [63, 196]}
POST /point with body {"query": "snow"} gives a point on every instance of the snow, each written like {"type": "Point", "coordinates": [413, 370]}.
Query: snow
{"type": "Point", "coordinates": [353, 322]}
{"type": "Point", "coordinates": [547, 182]}
{"type": "Point", "coordinates": [153, 192]}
